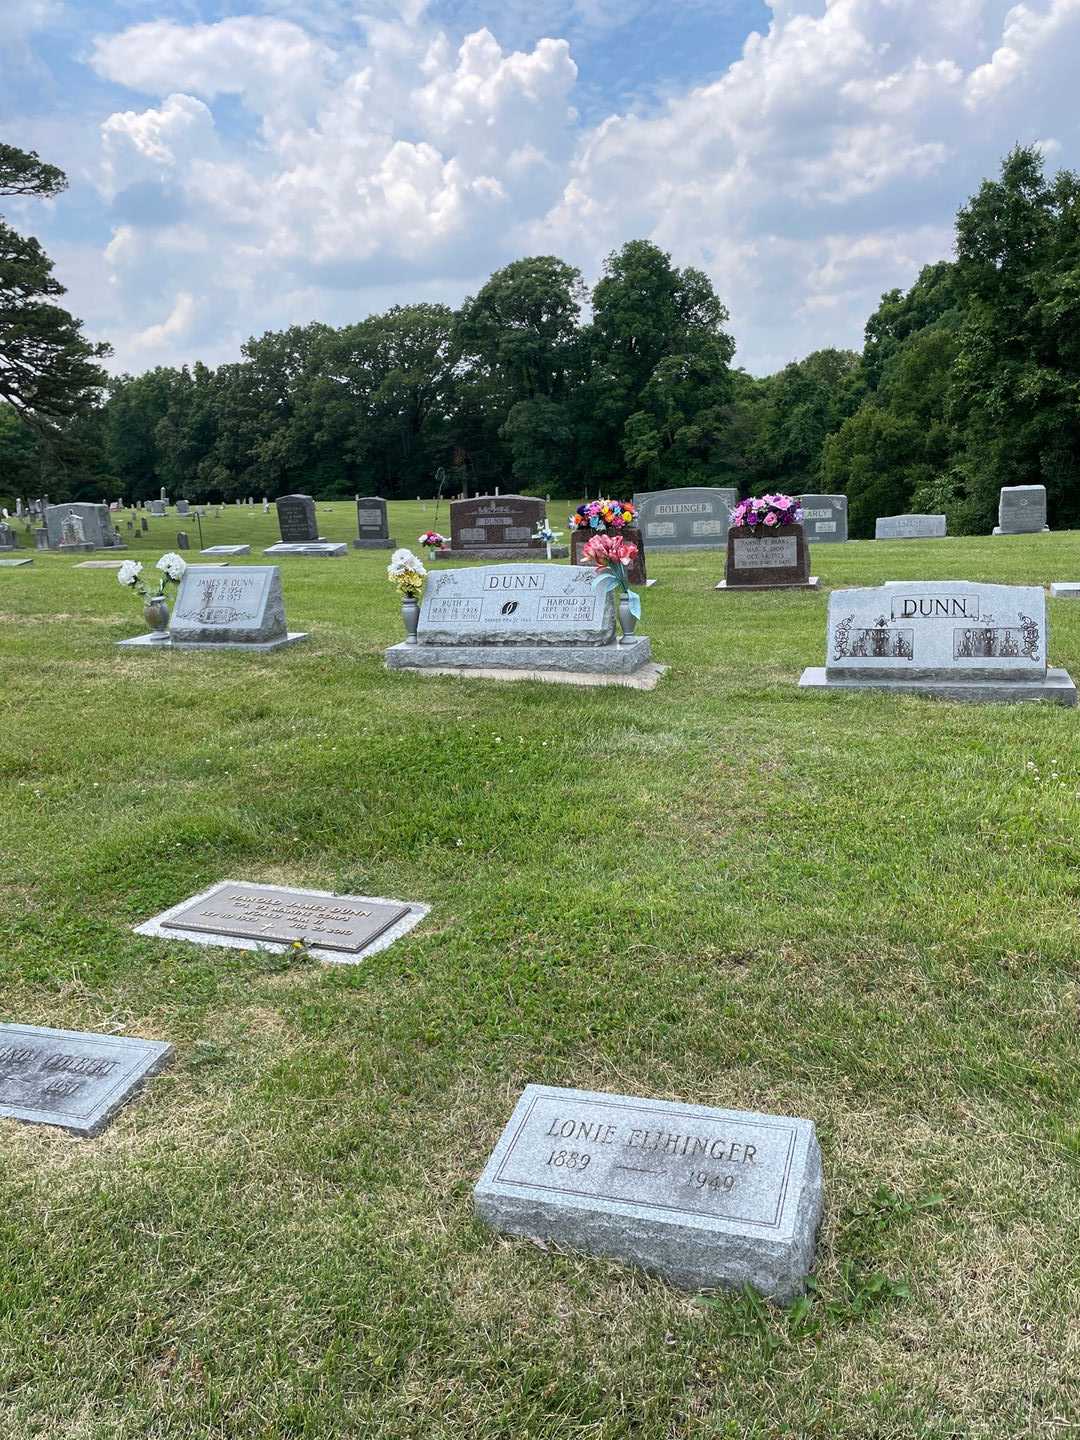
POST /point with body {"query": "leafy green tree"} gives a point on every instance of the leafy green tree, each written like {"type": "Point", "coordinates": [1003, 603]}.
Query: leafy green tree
{"type": "Point", "coordinates": [48, 369]}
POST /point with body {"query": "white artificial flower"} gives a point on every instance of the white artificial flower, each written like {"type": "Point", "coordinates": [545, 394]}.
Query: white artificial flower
{"type": "Point", "coordinates": [403, 560]}
{"type": "Point", "coordinates": [173, 566]}
{"type": "Point", "coordinates": [129, 572]}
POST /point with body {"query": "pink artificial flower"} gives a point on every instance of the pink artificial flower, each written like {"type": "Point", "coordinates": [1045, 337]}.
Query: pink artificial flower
{"type": "Point", "coordinates": [771, 519]}
{"type": "Point", "coordinates": [605, 550]}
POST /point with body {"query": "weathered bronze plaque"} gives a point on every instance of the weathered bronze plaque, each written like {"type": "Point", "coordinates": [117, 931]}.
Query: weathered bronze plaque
{"type": "Point", "coordinates": [251, 912]}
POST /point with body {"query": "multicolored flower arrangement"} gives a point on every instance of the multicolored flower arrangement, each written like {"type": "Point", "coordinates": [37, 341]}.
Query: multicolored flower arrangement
{"type": "Point", "coordinates": [612, 556]}
{"type": "Point", "coordinates": [171, 567]}
{"type": "Point", "coordinates": [765, 512]}
{"type": "Point", "coordinates": [604, 515]}
{"type": "Point", "coordinates": [431, 540]}
{"type": "Point", "coordinates": [408, 573]}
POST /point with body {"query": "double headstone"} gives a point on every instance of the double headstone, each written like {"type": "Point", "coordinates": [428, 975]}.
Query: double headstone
{"type": "Point", "coordinates": [372, 525]}
{"type": "Point", "coordinates": [158, 507]}
{"type": "Point", "coordinates": [910, 527]}
{"type": "Point", "coordinates": [296, 519]}
{"type": "Point", "coordinates": [524, 617]}
{"type": "Point", "coordinates": [215, 609]}
{"type": "Point", "coordinates": [499, 527]}
{"type": "Point", "coordinates": [183, 508]}
{"type": "Point", "coordinates": [1021, 510]}
{"type": "Point", "coordinates": [952, 638]}
{"type": "Point", "coordinates": [824, 518]}
{"type": "Point", "coordinates": [694, 517]}
{"type": "Point", "coordinates": [768, 559]}
{"type": "Point", "coordinates": [97, 527]}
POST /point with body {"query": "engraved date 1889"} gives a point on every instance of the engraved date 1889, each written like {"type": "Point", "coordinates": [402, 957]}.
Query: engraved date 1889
{"type": "Point", "coordinates": [571, 1159]}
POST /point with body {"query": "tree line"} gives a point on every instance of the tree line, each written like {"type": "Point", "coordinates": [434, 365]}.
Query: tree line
{"type": "Point", "coordinates": [967, 381]}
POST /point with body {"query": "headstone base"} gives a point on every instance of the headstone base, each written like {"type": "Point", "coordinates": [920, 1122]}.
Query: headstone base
{"type": "Point", "coordinates": [387, 544]}
{"type": "Point", "coordinates": [812, 584]}
{"type": "Point", "coordinates": [494, 552]}
{"type": "Point", "coordinates": [1043, 530]}
{"type": "Point", "coordinates": [147, 642]}
{"type": "Point", "coordinates": [624, 659]}
{"type": "Point", "coordinates": [1058, 687]}
{"type": "Point", "coordinates": [328, 549]}
{"type": "Point", "coordinates": [1059, 590]}
{"type": "Point", "coordinates": [10, 564]}
{"type": "Point", "coordinates": [226, 550]}
{"type": "Point", "coordinates": [83, 549]}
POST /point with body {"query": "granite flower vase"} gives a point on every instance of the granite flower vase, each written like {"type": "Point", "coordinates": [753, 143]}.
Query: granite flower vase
{"type": "Point", "coordinates": [156, 615]}
{"type": "Point", "coordinates": [627, 618]}
{"type": "Point", "coordinates": [410, 614]}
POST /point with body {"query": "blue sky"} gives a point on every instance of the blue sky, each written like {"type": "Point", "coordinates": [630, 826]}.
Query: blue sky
{"type": "Point", "coordinates": [241, 165]}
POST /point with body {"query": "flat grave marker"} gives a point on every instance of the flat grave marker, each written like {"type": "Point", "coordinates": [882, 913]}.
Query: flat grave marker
{"type": "Point", "coordinates": [701, 1196]}
{"type": "Point", "coordinates": [326, 549]}
{"type": "Point", "coordinates": [22, 560]}
{"type": "Point", "coordinates": [244, 916]}
{"type": "Point", "coordinates": [226, 550]}
{"type": "Point", "coordinates": [72, 1078]}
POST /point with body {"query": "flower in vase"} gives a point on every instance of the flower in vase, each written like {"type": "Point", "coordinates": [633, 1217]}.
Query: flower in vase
{"type": "Point", "coordinates": [128, 574]}
{"type": "Point", "coordinates": [172, 566]}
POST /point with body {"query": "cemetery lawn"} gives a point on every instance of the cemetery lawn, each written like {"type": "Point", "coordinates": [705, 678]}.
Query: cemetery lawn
{"type": "Point", "coordinates": [861, 909]}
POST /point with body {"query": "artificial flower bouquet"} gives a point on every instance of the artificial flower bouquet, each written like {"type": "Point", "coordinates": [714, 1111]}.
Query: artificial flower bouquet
{"type": "Point", "coordinates": [612, 556]}
{"type": "Point", "coordinates": [761, 513]}
{"type": "Point", "coordinates": [602, 515]}
{"type": "Point", "coordinates": [407, 572]}
{"type": "Point", "coordinates": [171, 567]}
{"type": "Point", "coordinates": [431, 540]}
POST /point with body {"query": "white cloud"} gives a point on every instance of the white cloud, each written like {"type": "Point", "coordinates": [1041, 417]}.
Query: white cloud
{"type": "Point", "coordinates": [382, 161]}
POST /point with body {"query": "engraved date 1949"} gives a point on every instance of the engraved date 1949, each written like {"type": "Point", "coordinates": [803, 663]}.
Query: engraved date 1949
{"type": "Point", "coordinates": [702, 1180]}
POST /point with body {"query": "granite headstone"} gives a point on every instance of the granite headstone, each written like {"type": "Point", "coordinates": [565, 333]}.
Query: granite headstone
{"type": "Point", "coordinates": [910, 527]}
{"type": "Point", "coordinates": [693, 517]}
{"type": "Point", "coordinates": [952, 638]}
{"type": "Point", "coordinates": [1021, 510]}
{"type": "Point", "coordinates": [769, 560]}
{"type": "Point", "coordinates": [499, 527]}
{"type": "Point", "coordinates": [296, 519]}
{"type": "Point", "coordinates": [243, 610]}
{"type": "Point", "coordinates": [72, 1078]}
{"type": "Point", "coordinates": [705, 1198]}
{"type": "Point", "coordinates": [824, 519]}
{"type": "Point", "coordinates": [372, 525]}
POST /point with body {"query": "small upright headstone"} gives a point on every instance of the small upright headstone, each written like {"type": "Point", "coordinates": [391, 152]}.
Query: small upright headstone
{"type": "Point", "coordinates": [910, 527]}
{"type": "Point", "coordinates": [243, 610]}
{"type": "Point", "coordinates": [956, 639]}
{"type": "Point", "coordinates": [692, 517]}
{"type": "Point", "coordinates": [183, 508]}
{"type": "Point", "coordinates": [770, 560]}
{"type": "Point", "coordinates": [145, 524]}
{"type": "Point", "coordinates": [372, 524]}
{"type": "Point", "coordinates": [7, 537]}
{"type": "Point", "coordinates": [266, 506]}
{"type": "Point", "coordinates": [183, 541]}
{"type": "Point", "coordinates": [825, 518]}
{"type": "Point", "coordinates": [41, 539]}
{"type": "Point", "coordinates": [705, 1198]}
{"type": "Point", "coordinates": [296, 519]}
{"type": "Point", "coordinates": [1021, 510]}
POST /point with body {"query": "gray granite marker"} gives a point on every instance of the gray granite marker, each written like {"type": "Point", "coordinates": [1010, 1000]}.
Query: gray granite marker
{"type": "Point", "coordinates": [243, 610]}
{"type": "Point", "coordinates": [226, 550]}
{"type": "Point", "coordinates": [702, 1197]}
{"type": "Point", "coordinates": [1021, 510]}
{"type": "Point", "coordinates": [296, 518]}
{"type": "Point", "coordinates": [957, 639]}
{"type": "Point", "coordinates": [909, 527]}
{"type": "Point", "coordinates": [13, 564]}
{"type": "Point", "coordinates": [536, 617]}
{"type": "Point", "coordinates": [327, 549]}
{"type": "Point", "coordinates": [825, 518]}
{"type": "Point", "coordinates": [691, 517]}
{"type": "Point", "coordinates": [72, 1078]}
{"type": "Point", "coordinates": [372, 525]}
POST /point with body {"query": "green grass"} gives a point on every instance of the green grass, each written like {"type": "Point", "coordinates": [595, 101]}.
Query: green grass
{"type": "Point", "coordinates": [858, 908]}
